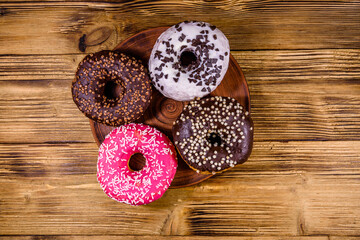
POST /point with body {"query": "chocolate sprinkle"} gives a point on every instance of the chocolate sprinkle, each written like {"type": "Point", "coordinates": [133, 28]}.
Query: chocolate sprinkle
{"type": "Point", "coordinates": [182, 37]}
{"type": "Point", "coordinates": [111, 88]}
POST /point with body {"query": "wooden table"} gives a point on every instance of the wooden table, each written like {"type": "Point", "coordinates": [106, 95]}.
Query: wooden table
{"type": "Point", "coordinates": [302, 64]}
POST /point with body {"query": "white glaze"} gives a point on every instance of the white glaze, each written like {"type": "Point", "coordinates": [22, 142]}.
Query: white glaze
{"type": "Point", "coordinates": [183, 89]}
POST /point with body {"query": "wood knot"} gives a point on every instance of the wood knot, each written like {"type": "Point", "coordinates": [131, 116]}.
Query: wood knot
{"type": "Point", "coordinates": [82, 45]}
{"type": "Point", "coordinates": [169, 110]}
{"type": "Point", "coordinates": [3, 11]}
{"type": "Point", "coordinates": [95, 37]}
{"type": "Point", "coordinates": [98, 36]}
{"type": "Point", "coordinates": [163, 111]}
{"type": "Point", "coordinates": [170, 105]}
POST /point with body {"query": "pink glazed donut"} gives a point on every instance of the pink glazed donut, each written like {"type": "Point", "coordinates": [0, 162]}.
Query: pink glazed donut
{"type": "Point", "coordinates": [121, 183]}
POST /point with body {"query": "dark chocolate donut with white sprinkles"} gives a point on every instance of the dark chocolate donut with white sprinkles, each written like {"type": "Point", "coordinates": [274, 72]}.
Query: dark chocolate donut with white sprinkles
{"type": "Point", "coordinates": [213, 134]}
{"type": "Point", "coordinates": [189, 60]}
{"type": "Point", "coordinates": [111, 88]}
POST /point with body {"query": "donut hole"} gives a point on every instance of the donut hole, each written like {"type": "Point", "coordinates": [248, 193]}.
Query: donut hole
{"type": "Point", "coordinates": [113, 91]}
{"type": "Point", "coordinates": [136, 162]}
{"type": "Point", "coordinates": [187, 58]}
{"type": "Point", "coordinates": [214, 139]}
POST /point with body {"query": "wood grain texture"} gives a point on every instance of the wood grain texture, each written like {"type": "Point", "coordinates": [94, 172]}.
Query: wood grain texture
{"type": "Point", "coordinates": [56, 159]}
{"type": "Point", "coordinates": [56, 27]}
{"type": "Point", "coordinates": [302, 64]}
{"type": "Point", "coordinates": [284, 189]}
{"type": "Point", "coordinates": [268, 205]}
{"type": "Point", "coordinates": [44, 237]}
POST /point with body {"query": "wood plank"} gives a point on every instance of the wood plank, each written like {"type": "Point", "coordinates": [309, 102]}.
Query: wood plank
{"type": "Point", "coordinates": [286, 189]}
{"type": "Point", "coordinates": [119, 237]}
{"type": "Point", "coordinates": [56, 27]}
{"type": "Point", "coordinates": [58, 160]}
{"type": "Point", "coordinates": [47, 160]}
{"type": "Point", "coordinates": [310, 86]}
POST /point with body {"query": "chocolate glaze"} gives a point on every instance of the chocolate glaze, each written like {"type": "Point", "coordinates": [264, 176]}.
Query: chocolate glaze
{"type": "Point", "coordinates": [111, 88]}
{"type": "Point", "coordinates": [213, 134]}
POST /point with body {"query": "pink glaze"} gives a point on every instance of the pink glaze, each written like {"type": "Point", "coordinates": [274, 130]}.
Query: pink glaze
{"type": "Point", "coordinates": [136, 187]}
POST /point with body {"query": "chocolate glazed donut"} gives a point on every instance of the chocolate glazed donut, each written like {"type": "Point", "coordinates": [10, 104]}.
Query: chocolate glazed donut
{"type": "Point", "coordinates": [111, 88]}
{"type": "Point", "coordinates": [213, 134]}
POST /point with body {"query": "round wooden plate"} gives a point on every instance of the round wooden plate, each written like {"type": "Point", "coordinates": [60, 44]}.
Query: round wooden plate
{"type": "Point", "coordinates": [163, 111]}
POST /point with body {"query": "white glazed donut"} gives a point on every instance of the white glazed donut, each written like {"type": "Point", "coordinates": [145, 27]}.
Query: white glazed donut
{"type": "Point", "coordinates": [189, 60]}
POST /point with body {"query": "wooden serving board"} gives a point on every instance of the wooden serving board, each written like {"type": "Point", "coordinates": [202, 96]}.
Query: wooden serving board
{"type": "Point", "coordinates": [163, 111]}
